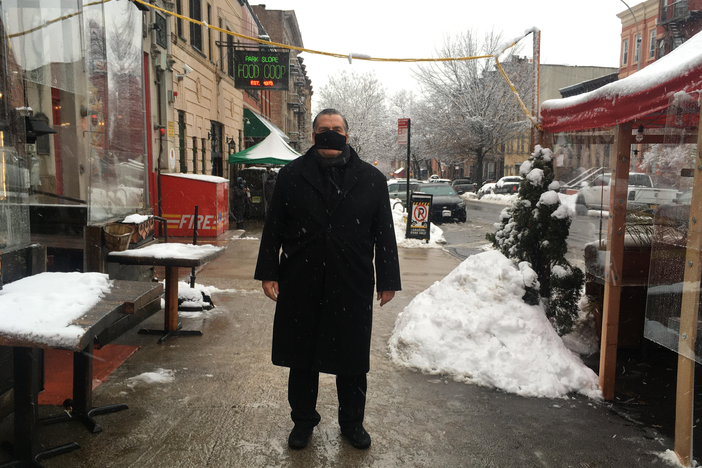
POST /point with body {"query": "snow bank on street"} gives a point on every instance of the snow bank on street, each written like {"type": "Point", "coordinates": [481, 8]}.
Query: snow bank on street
{"type": "Point", "coordinates": [474, 326]}
{"type": "Point", "coordinates": [399, 217]}
{"type": "Point", "coordinates": [499, 199]}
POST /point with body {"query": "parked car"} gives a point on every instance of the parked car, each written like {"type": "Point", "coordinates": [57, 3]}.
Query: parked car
{"type": "Point", "coordinates": [436, 179]}
{"type": "Point", "coordinates": [398, 189]}
{"type": "Point", "coordinates": [446, 204]}
{"type": "Point", "coordinates": [462, 186]}
{"type": "Point", "coordinates": [641, 194]}
{"type": "Point", "coordinates": [507, 185]}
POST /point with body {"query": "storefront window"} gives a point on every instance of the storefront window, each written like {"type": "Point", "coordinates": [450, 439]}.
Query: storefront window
{"type": "Point", "coordinates": [71, 115]}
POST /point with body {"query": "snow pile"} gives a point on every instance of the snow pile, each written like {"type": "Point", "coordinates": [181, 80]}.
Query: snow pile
{"type": "Point", "coordinates": [475, 326]}
{"type": "Point", "coordinates": [156, 377]}
{"type": "Point", "coordinates": [181, 251]}
{"type": "Point", "coordinates": [197, 298]}
{"type": "Point", "coordinates": [399, 217]}
{"type": "Point", "coordinates": [41, 307]}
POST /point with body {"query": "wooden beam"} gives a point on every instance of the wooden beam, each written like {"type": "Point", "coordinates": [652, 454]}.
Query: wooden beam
{"type": "Point", "coordinates": [615, 259]}
{"type": "Point", "coordinates": [685, 396]}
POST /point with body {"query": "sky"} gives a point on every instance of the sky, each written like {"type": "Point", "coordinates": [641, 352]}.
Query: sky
{"type": "Point", "coordinates": [586, 34]}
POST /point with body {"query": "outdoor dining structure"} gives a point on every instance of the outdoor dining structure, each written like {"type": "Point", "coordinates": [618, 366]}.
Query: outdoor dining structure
{"type": "Point", "coordinates": [647, 122]}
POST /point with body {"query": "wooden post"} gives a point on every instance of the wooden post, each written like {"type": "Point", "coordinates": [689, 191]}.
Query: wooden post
{"type": "Point", "coordinates": [615, 259]}
{"type": "Point", "coordinates": [685, 396]}
{"type": "Point", "coordinates": [170, 315]}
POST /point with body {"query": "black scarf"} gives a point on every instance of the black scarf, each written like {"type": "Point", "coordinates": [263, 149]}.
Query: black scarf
{"type": "Point", "coordinates": [332, 171]}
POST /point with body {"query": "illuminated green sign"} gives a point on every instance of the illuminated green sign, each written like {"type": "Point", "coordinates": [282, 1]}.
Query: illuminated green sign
{"type": "Point", "coordinates": [261, 69]}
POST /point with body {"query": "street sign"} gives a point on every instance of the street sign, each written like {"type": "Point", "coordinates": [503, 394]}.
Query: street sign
{"type": "Point", "coordinates": [261, 69]}
{"type": "Point", "coordinates": [418, 223]}
{"type": "Point", "coordinates": [402, 131]}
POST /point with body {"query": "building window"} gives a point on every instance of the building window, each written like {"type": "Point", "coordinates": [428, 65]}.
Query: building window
{"type": "Point", "coordinates": [221, 48]}
{"type": "Point", "coordinates": [194, 155]}
{"type": "Point", "coordinates": [637, 48]}
{"type": "Point", "coordinates": [209, 32]}
{"type": "Point", "coordinates": [195, 28]}
{"type": "Point", "coordinates": [625, 51]}
{"type": "Point", "coordinates": [652, 43]}
{"type": "Point", "coordinates": [230, 55]}
{"type": "Point", "coordinates": [181, 141]}
{"type": "Point", "coordinates": [179, 22]}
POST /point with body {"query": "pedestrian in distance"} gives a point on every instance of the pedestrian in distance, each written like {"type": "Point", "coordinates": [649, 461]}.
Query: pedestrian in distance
{"type": "Point", "coordinates": [268, 188]}
{"type": "Point", "coordinates": [330, 213]}
{"type": "Point", "coordinates": [238, 201]}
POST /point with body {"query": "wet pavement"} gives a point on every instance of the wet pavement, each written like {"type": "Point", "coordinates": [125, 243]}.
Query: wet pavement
{"type": "Point", "coordinates": [227, 405]}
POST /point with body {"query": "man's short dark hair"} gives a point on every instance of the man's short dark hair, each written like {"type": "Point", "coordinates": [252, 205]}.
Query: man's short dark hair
{"type": "Point", "coordinates": [330, 112]}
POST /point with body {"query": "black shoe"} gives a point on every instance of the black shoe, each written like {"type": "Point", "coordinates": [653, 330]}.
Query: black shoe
{"type": "Point", "coordinates": [299, 438]}
{"type": "Point", "coordinates": [358, 436]}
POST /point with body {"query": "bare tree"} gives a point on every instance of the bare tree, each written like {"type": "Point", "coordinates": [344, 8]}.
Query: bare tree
{"type": "Point", "coordinates": [405, 104]}
{"type": "Point", "coordinates": [469, 110]}
{"type": "Point", "coordinates": [362, 99]}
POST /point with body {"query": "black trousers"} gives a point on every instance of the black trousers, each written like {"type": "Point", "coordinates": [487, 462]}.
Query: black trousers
{"type": "Point", "coordinates": [303, 387]}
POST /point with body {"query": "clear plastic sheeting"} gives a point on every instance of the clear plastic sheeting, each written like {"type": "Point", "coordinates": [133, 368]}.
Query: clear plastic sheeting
{"type": "Point", "coordinates": [47, 41]}
{"type": "Point", "coordinates": [673, 161]}
{"type": "Point", "coordinates": [115, 106]}
{"type": "Point", "coordinates": [71, 107]}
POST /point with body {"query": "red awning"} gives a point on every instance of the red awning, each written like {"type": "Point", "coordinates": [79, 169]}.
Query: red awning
{"type": "Point", "coordinates": [646, 92]}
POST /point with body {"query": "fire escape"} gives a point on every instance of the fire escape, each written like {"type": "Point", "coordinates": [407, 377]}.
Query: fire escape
{"type": "Point", "coordinates": [297, 101]}
{"type": "Point", "coordinates": [681, 20]}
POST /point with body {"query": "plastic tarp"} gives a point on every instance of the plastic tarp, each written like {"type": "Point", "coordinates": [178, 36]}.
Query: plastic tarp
{"type": "Point", "coordinates": [647, 91]}
{"type": "Point", "coordinates": [257, 126]}
{"type": "Point", "coordinates": [272, 150]}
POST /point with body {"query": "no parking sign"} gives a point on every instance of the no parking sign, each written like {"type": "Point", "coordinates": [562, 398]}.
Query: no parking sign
{"type": "Point", "coordinates": [418, 224]}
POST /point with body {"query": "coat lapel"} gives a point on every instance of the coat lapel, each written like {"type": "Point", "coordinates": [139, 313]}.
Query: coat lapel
{"type": "Point", "coordinates": [310, 171]}
{"type": "Point", "coordinates": [351, 177]}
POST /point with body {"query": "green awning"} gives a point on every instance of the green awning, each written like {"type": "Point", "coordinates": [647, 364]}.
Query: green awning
{"type": "Point", "coordinates": [272, 150]}
{"type": "Point", "coordinates": [257, 126]}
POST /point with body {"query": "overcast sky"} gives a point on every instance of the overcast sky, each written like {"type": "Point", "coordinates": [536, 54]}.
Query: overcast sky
{"type": "Point", "coordinates": [582, 33]}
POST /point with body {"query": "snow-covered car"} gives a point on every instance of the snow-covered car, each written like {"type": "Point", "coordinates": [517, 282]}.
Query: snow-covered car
{"type": "Point", "coordinates": [446, 204]}
{"type": "Point", "coordinates": [507, 185]}
{"type": "Point", "coordinates": [487, 188]}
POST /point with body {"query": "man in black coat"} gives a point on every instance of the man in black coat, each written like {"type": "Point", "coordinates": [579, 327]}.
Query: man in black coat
{"type": "Point", "coordinates": [330, 213]}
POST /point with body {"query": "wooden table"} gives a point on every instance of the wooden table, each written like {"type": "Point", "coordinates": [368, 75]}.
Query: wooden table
{"type": "Point", "coordinates": [152, 255]}
{"type": "Point", "coordinates": [127, 304]}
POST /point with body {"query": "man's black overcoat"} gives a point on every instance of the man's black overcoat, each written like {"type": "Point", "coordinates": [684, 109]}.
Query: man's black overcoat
{"type": "Point", "coordinates": [324, 313]}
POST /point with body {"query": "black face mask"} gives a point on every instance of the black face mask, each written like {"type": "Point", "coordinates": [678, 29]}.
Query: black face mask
{"type": "Point", "coordinates": [330, 140]}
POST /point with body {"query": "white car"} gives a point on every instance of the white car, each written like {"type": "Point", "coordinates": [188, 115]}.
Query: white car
{"type": "Point", "coordinates": [487, 188]}
{"type": "Point", "coordinates": [641, 194]}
